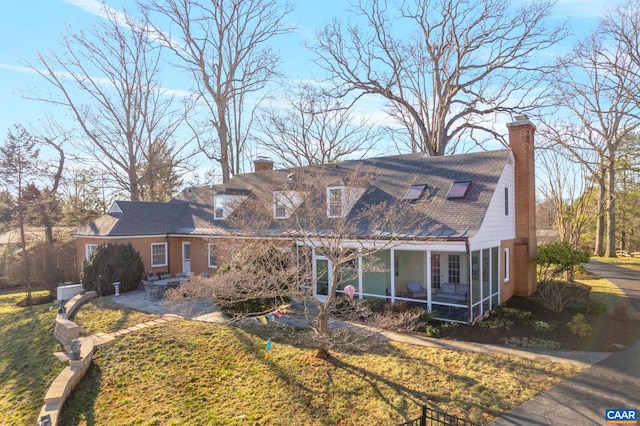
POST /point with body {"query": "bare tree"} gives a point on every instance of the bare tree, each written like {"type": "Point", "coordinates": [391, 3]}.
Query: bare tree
{"type": "Point", "coordinates": [109, 78]}
{"type": "Point", "coordinates": [622, 26]}
{"type": "Point", "coordinates": [593, 88]}
{"type": "Point", "coordinates": [568, 189]}
{"type": "Point", "coordinates": [446, 67]}
{"type": "Point", "coordinates": [223, 45]}
{"type": "Point", "coordinates": [314, 128]}
{"type": "Point", "coordinates": [347, 236]}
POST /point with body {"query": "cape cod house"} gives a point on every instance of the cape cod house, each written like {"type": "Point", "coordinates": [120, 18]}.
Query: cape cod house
{"type": "Point", "coordinates": [473, 253]}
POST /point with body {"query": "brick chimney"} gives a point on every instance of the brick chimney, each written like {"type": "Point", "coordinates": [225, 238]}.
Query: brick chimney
{"type": "Point", "coordinates": [262, 164]}
{"type": "Point", "coordinates": [521, 142]}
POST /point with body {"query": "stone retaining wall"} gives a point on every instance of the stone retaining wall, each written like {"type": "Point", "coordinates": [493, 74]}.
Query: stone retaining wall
{"type": "Point", "coordinates": [65, 331]}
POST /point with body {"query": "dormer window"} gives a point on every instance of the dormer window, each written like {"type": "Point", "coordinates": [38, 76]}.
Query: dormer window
{"type": "Point", "coordinates": [335, 202]}
{"type": "Point", "coordinates": [285, 202]}
{"type": "Point", "coordinates": [224, 204]}
{"type": "Point", "coordinates": [279, 206]}
{"type": "Point", "coordinates": [218, 207]}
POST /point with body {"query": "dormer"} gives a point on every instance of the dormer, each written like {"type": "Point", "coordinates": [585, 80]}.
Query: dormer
{"type": "Point", "coordinates": [285, 203]}
{"type": "Point", "coordinates": [225, 203]}
{"type": "Point", "coordinates": [114, 209]}
{"type": "Point", "coordinates": [341, 199]}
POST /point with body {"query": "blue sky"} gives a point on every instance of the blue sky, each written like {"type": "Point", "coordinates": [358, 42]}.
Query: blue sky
{"type": "Point", "coordinates": [30, 25]}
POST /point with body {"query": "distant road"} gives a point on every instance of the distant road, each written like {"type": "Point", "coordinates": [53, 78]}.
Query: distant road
{"type": "Point", "coordinates": [627, 279]}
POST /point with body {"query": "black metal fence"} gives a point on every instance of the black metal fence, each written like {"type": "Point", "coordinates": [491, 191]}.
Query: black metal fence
{"type": "Point", "coordinates": [432, 417]}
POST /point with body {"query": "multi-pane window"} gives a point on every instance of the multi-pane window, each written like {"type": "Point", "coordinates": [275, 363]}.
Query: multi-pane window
{"type": "Point", "coordinates": [89, 249]}
{"type": "Point", "coordinates": [435, 270]}
{"type": "Point", "coordinates": [218, 207]}
{"type": "Point", "coordinates": [335, 202]}
{"type": "Point", "coordinates": [279, 205]}
{"type": "Point", "coordinates": [159, 254]}
{"type": "Point", "coordinates": [213, 258]}
{"type": "Point", "coordinates": [454, 268]}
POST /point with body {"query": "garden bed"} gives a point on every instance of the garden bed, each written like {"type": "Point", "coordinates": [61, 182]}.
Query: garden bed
{"type": "Point", "coordinates": [608, 333]}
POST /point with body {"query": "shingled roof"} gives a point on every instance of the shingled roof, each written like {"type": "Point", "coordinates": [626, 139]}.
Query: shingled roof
{"type": "Point", "coordinates": [191, 211]}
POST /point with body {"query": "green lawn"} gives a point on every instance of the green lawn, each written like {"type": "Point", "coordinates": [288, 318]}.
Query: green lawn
{"type": "Point", "coordinates": [197, 373]}
{"type": "Point", "coordinates": [186, 372]}
{"type": "Point", "coordinates": [27, 364]}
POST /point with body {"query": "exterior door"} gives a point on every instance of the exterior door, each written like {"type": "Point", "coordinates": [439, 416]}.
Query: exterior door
{"type": "Point", "coordinates": [186, 257]}
{"type": "Point", "coordinates": [322, 278]}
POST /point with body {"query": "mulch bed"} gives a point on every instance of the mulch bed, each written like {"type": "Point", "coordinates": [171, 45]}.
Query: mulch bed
{"type": "Point", "coordinates": [608, 334]}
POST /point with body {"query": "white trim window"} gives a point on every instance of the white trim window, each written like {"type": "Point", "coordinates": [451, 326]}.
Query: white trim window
{"type": "Point", "coordinates": [219, 212]}
{"type": "Point", "coordinates": [89, 249]}
{"type": "Point", "coordinates": [212, 255]}
{"type": "Point", "coordinates": [335, 201]}
{"type": "Point", "coordinates": [159, 254]}
{"type": "Point", "coordinates": [279, 205]}
{"type": "Point", "coordinates": [506, 265]}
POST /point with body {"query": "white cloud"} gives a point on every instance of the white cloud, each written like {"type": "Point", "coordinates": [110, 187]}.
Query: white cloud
{"type": "Point", "coordinates": [93, 7]}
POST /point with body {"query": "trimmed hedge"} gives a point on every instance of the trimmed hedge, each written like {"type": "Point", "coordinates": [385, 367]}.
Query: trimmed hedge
{"type": "Point", "coordinates": [111, 263]}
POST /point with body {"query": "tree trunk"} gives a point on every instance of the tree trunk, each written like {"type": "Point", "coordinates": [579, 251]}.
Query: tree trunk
{"type": "Point", "coordinates": [25, 257]}
{"type": "Point", "coordinates": [611, 212]}
{"type": "Point", "coordinates": [599, 245]}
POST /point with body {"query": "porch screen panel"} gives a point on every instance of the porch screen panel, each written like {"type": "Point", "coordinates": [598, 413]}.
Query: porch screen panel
{"type": "Point", "coordinates": [495, 275]}
{"type": "Point", "coordinates": [376, 273]}
{"type": "Point", "coordinates": [486, 273]}
{"type": "Point", "coordinates": [475, 276]}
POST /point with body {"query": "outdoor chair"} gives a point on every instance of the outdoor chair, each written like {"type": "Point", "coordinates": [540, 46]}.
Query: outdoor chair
{"type": "Point", "coordinates": [165, 276]}
{"type": "Point", "coordinates": [151, 290]}
{"type": "Point", "coordinates": [416, 291]}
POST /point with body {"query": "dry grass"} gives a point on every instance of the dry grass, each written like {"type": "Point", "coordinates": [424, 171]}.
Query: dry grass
{"type": "Point", "coordinates": [196, 373]}
{"type": "Point", "coordinates": [104, 315]}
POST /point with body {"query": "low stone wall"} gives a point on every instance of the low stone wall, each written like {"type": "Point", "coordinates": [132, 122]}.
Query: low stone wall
{"type": "Point", "coordinates": [65, 332]}
{"type": "Point", "coordinates": [66, 381]}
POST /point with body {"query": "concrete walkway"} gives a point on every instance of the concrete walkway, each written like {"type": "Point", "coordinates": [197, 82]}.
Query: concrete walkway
{"type": "Point", "coordinates": [582, 400]}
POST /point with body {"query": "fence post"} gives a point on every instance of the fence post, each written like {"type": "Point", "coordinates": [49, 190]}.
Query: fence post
{"type": "Point", "coordinates": [423, 419]}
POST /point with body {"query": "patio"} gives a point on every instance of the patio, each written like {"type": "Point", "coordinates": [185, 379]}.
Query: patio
{"type": "Point", "coordinates": [203, 310]}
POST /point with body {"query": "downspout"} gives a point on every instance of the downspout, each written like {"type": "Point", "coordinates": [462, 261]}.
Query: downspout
{"type": "Point", "coordinates": [168, 255]}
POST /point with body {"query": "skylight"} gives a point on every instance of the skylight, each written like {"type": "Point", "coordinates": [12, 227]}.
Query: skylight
{"type": "Point", "coordinates": [459, 189]}
{"type": "Point", "coordinates": [414, 192]}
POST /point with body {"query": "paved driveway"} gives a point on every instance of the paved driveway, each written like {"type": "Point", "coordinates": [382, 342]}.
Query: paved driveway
{"type": "Point", "coordinates": [612, 383]}
{"type": "Point", "coordinates": [626, 279]}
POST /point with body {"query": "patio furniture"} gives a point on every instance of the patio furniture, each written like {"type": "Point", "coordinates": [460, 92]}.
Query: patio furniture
{"type": "Point", "coordinates": [416, 291]}
{"type": "Point", "coordinates": [452, 292]}
{"type": "Point", "coordinates": [150, 289]}
{"type": "Point", "coordinates": [165, 275]}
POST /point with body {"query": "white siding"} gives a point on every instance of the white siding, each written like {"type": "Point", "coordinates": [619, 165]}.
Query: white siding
{"type": "Point", "coordinates": [496, 226]}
